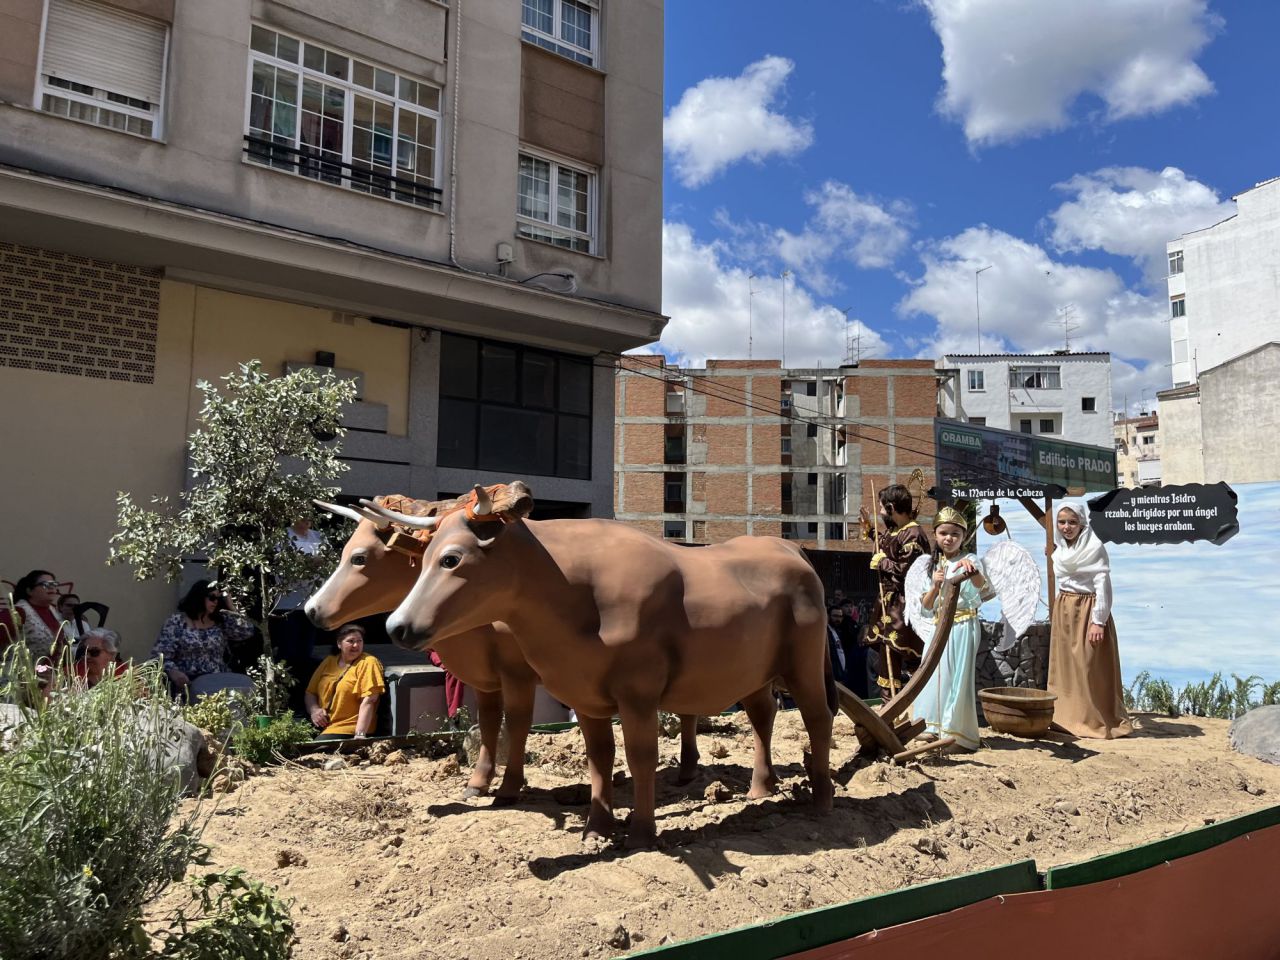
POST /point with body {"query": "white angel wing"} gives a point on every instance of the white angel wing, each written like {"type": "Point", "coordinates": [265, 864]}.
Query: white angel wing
{"type": "Point", "coordinates": [916, 586]}
{"type": "Point", "coordinates": [1013, 572]}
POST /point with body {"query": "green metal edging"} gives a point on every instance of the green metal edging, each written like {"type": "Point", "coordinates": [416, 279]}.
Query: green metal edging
{"type": "Point", "coordinates": [817, 928]}
{"type": "Point", "coordinates": [1112, 865]}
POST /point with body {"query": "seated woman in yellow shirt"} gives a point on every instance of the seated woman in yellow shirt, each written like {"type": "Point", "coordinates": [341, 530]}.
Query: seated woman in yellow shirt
{"type": "Point", "coordinates": [342, 697]}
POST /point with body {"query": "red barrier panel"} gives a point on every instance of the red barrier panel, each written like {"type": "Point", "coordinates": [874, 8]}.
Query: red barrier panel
{"type": "Point", "coordinates": [1221, 902]}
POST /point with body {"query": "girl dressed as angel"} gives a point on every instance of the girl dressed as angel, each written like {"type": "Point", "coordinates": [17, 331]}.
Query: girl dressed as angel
{"type": "Point", "coordinates": [948, 702]}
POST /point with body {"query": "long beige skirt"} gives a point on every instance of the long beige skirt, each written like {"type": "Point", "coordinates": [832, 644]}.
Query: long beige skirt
{"type": "Point", "coordinates": [1085, 679]}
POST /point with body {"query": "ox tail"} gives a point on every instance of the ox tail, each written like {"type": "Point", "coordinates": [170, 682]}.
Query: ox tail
{"type": "Point", "coordinates": [829, 681]}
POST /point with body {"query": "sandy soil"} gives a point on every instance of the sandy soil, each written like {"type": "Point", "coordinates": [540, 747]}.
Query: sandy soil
{"type": "Point", "coordinates": [385, 861]}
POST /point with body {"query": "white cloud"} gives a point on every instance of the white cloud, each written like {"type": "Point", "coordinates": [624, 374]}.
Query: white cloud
{"type": "Point", "coordinates": [1133, 212]}
{"type": "Point", "coordinates": [1026, 295]}
{"type": "Point", "coordinates": [705, 292]}
{"type": "Point", "coordinates": [862, 230]}
{"type": "Point", "coordinates": [1013, 68]}
{"type": "Point", "coordinates": [722, 120]}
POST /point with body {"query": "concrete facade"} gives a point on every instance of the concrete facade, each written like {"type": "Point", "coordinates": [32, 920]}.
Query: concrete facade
{"type": "Point", "coordinates": [1063, 395]}
{"type": "Point", "coordinates": [1137, 450]}
{"type": "Point", "coordinates": [136, 265]}
{"type": "Point", "coordinates": [746, 447]}
{"type": "Point", "coordinates": [1226, 422]}
{"type": "Point", "coordinates": [1224, 290]}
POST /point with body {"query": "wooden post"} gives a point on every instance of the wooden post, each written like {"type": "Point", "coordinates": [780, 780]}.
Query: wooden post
{"type": "Point", "coordinates": [1049, 522]}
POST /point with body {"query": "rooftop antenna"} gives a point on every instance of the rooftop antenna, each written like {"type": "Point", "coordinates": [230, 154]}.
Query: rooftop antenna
{"type": "Point", "coordinates": [977, 304]}
{"type": "Point", "coordinates": [785, 275]}
{"type": "Point", "coordinates": [750, 296]}
{"type": "Point", "coordinates": [1067, 320]}
{"type": "Point", "coordinates": [852, 340]}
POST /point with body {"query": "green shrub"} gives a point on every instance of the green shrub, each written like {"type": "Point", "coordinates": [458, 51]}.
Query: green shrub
{"type": "Point", "coordinates": [240, 919]}
{"type": "Point", "coordinates": [221, 713]}
{"type": "Point", "coordinates": [277, 739]}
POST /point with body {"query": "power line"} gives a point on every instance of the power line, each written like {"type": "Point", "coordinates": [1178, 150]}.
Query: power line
{"type": "Point", "coordinates": [739, 397]}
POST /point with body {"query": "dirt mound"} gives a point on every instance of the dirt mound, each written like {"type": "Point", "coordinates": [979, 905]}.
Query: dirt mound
{"type": "Point", "coordinates": [388, 861]}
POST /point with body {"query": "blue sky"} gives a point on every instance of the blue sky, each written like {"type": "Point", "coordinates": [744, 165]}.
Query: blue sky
{"type": "Point", "coordinates": [883, 150]}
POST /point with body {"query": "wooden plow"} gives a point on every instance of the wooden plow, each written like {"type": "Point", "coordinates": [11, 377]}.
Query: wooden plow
{"type": "Point", "coordinates": [888, 727]}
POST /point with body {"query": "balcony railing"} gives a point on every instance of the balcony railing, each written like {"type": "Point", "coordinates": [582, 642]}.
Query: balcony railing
{"type": "Point", "coordinates": [279, 156]}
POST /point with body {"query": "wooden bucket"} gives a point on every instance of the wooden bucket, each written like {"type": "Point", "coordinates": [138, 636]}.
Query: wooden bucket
{"type": "Point", "coordinates": [1022, 711]}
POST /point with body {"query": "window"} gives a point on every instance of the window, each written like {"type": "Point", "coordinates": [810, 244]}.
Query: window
{"type": "Point", "coordinates": [510, 408]}
{"type": "Point", "coordinates": [1035, 378]}
{"type": "Point", "coordinates": [811, 430]}
{"type": "Point", "coordinates": [103, 66]}
{"type": "Point", "coordinates": [978, 421]}
{"type": "Point", "coordinates": [340, 120]}
{"type": "Point", "coordinates": [556, 203]}
{"type": "Point", "coordinates": [1024, 426]}
{"type": "Point", "coordinates": [674, 488]}
{"type": "Point", "coordinates": [811, 388]}
{"type": "Point", "coordinates": [1175, 262]}
{"type": "Point", "coordinates": [1178, 307]}
{"type": "Point", "coordinates": [977, 381]}
{"type": "Point", "coordinates": [813, 479]}
{"type": "Point", "coordinates": [1147, 441]}
{"type": "Point", "coordinates": [1089, 404]}
{"type": "Point", "coordinates": [673, 529]}
{"type": "Point", "coordinates": [786, 444]}
{"type": "Point", "coordinates": [570, 28]}
{"type": "Point", "coordinates": [1048, 426]}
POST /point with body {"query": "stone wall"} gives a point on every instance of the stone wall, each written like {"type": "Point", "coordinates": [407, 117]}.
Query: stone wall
{"type": "Point", "coordinates": [1026, 664]}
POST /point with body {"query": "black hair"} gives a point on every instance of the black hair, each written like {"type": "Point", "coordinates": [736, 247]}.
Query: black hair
{"type": "Point", "coordinates": [22, 589]}
{"type": "Point", "coordinates": [898, 499]}
{"type": "Point", "coordinates": [193, 603]}
{"type": "Point", "coordinates": [343, 631]}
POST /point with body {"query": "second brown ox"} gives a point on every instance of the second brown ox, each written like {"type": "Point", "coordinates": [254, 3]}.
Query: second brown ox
{"type": "Point", "coordinates": [618, 622]}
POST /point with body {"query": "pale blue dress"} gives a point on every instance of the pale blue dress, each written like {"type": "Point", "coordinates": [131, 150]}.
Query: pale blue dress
{"type": "Point", "coordinates": [949, 702]}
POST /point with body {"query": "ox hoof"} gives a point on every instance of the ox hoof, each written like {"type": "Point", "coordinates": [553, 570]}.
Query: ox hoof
{"type": "Point", "coordinates": [641, 838]}
{"type": "Point", "coordinates": [685, 777]}
{"type": "Point", "coordinates": [472, 792]}
{"type": "Point", "coordinates": [500, 800]}
{"type": "Point", "coordinates": [824, 796]}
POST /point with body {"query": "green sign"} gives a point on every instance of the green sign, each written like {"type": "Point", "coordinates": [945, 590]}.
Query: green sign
{"type": "Point", "coordinates": [985, 463]}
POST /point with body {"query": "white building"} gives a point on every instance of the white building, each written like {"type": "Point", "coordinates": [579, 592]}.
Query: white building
{"type": "Point", "coordinates": [1137, 450]}
{"type": "Point", "coordinates": [1224, 285]}
{"type": "Point", "coordinates": [1063, 395]}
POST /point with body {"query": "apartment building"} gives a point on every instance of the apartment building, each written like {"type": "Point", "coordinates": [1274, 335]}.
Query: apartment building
{"type": "Point", "coordinates": [1064, 395]}
{"type": "Point", "coordinates": [1224, 291]}
{"type": "Point", "coordinates": [747, 447]}
{"type": "Point", "coordinates": [1137, 442]}
{"type": "Point", "coordinates": [458, 204]}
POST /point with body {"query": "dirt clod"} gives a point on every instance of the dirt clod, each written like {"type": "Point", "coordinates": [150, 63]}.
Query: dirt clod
{"type": "Point", "coordinates": [717, 792]}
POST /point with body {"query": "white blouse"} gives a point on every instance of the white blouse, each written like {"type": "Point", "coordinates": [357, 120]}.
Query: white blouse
{"type": "Point", "coordinates": [1098, 584]}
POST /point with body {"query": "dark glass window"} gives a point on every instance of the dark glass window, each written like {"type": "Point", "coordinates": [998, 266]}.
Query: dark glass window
{"type": "Point", "coordinates": [513, 409]}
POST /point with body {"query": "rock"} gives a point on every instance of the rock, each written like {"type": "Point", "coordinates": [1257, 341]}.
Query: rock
{"type": "Point", "coordinates": [717, 792]}
{"type": "Point", "coordinates": [1257, 733]}
{"type": "Point", "coordinates": [619, 939]}
{"type": "Point", "coordinates": [222, 782]}
{"type": "Point", "coordinates": [930, 847]}
{"type": "Point", "coordinates": [718, 750]}
{"type": "Point", "coordinates": [396, 840]}
{"type": "Point", "coordinates": [379, 752]}
{"type": "Point", "coordinates": [395, 758]}
{"type": "Point", "coordinates": [1007, 781]}
{"type": "Point", "coordinates": [339, 933]}
{"type": "Point", "coordinates": [335, 763]}
{"type": "Point", "coordinates": [290, 858]}
{"type": "Point", "coordinates": [1067, 807]}
{"type": "Point", "coordinates": [1031, 835]}
{"type": "Point", "coordinates": [449, 767]}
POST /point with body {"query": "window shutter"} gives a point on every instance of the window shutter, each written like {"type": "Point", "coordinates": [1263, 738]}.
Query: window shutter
{"type": "Point", "coordinates": [105, 48]}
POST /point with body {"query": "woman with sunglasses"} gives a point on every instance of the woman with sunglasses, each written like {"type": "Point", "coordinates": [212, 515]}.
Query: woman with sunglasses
{"type": "Point", "coordinates": [194, 641]}
{"type": "Point", "coordinates": [35, 605]}
{"type": "Point", "coordinates": [99, 656]}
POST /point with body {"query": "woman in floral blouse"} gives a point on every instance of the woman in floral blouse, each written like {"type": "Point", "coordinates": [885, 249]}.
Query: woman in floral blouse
{"type": "Point", "coordinates": [194, 640]}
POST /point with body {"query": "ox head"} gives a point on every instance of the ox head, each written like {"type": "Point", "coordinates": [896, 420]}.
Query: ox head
{"type": "Point", "coordinates": [463, 579]}
{"type": "Point", "coordinates": [379, 561]}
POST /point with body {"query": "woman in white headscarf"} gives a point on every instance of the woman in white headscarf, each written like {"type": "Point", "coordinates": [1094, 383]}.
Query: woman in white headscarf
{"type": "Point", "coordinates": [1084, 662]}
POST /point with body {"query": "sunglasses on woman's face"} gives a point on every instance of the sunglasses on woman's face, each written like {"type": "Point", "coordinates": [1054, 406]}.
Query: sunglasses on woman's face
{"type": "Point", "coordinates": [48, 584]}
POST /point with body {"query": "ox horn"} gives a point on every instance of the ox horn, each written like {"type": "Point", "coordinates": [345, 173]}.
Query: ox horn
{"type": "Point", "coordinates": [484, 504]}
{"type": "Point", "coordinates": [349, 513]}
{"type": "Point", "coordinates": [390, 516]}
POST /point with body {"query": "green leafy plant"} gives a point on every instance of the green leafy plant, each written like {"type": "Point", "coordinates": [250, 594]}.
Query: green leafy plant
{"type": "Point", "coordinates": [1207, 698]}
{"type": "Point", "coordinates": [238, 919]}
{"type": "Point", "coordinates": [221, 713]}
{"type": "Point", "coordinates": [272, 681]}
{"type": "Point", "coordinates": [277, 739]}
{"type": "Point", "coordinates": [262, 452]}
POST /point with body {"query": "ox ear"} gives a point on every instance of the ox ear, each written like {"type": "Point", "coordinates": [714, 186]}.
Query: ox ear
{"type": "Point", "coordinates": [514, 500]}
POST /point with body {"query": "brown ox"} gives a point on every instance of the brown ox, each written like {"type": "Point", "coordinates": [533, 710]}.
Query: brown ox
{"type": "Point", "coordinates": [375, 574]}
{"type": "Point", "coordinates": [616, 621]}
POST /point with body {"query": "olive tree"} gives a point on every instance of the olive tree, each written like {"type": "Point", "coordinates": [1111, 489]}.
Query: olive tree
{"type": "Point", "coordinates": [263, 451]}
